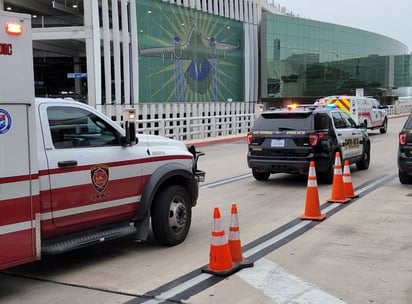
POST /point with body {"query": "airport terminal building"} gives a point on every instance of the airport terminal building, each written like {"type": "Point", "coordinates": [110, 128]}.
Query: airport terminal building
{"type": "Point", "coordinates": [301, 57]}
{"type": "Point", "coordinates": [196, 68]}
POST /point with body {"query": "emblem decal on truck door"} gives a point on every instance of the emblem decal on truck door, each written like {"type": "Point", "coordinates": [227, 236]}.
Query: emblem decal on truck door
{"type": "Point", "coordinates": [100, 177]}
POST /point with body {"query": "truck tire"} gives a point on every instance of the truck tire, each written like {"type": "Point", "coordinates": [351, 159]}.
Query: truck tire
{"type": "Point", "coordinates": [384, 127]}
{"type": "Point", "coordinates": [260, 176]}
{"type": "Point", "coordinates": [171, 215]}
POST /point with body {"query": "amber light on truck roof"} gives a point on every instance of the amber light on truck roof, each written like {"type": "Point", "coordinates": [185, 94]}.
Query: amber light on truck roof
{"type": "Point", "coordinates": [292, 106]}
{"type": "Point", "coordinates": [14, 28]}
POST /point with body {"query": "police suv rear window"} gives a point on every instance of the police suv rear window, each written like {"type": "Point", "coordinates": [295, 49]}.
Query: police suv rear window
{"type": "Point", "coordinates": [305, 121]}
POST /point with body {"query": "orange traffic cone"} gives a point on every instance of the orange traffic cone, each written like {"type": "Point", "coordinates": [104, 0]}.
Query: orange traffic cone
{"type": "Point", "coordinates": [338, 191]}
{"type": "Point", "coordinates": [312, 207]}
{"type": "Point", "coordinates": [234, 240]}
{"type": "Point", "coordinates": [347, 181]}
{"type": "Point", "coordinates": [220, 259]}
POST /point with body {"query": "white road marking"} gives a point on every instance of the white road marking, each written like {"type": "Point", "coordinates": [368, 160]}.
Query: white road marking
{"type": "Point", "coordinates": [283, 287]}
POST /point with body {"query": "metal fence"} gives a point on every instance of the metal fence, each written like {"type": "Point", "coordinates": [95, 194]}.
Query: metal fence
{"type": "Point", "coordinates": [188, 121]}
{"type": "Point", "coordinates": [401, 106]}
{"type": "Point", "coordinates": [199, 120]}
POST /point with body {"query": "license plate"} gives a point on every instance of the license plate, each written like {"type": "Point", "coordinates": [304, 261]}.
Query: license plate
{"type": "Point", "coordinates": [277, 143]}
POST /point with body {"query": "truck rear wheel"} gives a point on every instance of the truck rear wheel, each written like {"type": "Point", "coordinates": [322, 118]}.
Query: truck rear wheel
{"type": "Point", "coordinates": [171, 215]}
{"type": "Point", "coordinates": [384, 127]}
{"type": "Point", "coordinates": [363, 164]}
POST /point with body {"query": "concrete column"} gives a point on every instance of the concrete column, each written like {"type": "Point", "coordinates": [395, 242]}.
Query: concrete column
{"type": "Point", "coordinates": [93, 56]}
{"type": "Point", "coordinates": [135, 53]}
{"type": "Point", "coordinates": [77, 81]}
{"type": "Point", "coordinates": [107, 52]}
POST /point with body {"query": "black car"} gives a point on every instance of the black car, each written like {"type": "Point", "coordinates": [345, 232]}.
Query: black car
{"type": "Point", "coordinates": [286, 140]}
{"type": "Point", "coordinates": [405, 152]}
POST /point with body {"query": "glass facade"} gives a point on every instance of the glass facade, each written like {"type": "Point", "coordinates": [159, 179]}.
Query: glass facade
{"type": "Point", "coordinates": [302, 57]}
{"type": "Point", "coordinates": [188, 55]}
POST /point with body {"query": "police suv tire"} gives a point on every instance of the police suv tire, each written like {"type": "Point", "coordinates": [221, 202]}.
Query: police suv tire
{"type": "Point", "coordinates": [171, 215]}
{"type": "Point", "coordinates": [404, 178]}
{"type": "Point", "coordinates": [260, 176]}
{"type": "Point", "coordinates": [327, 176]}
{"type": "Point", "coordinates": [384, 127]}
{"type": "Point", "coordinates": [363, 164]}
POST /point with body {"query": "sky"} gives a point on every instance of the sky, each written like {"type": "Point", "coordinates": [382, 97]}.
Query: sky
{"type": "Point", "coordinates": [392, 19]}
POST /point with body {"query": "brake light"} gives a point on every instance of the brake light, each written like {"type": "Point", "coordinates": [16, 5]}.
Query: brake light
{"type": "Point", "coordinates": [14, 28]}
{"type": "Point", "coordinates": [402, 138]}
{"type": "Point", "coordinates": [315, 138]}
{"type": "Point", "coordinates": [249, 138]}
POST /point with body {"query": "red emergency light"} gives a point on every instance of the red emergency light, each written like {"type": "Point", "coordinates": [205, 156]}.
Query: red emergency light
{"type": "Point", "coordinates": [14, 28]}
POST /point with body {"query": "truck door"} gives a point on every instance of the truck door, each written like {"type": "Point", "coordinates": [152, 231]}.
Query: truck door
{"type": "Point", "coordinates": [348, 135]}
{"type": "Point", "coordinates": [17, 234]}
{"type": "Point", "coordinates": [377, 114]}
{"type": "Point", "coordinates": [93, 179]}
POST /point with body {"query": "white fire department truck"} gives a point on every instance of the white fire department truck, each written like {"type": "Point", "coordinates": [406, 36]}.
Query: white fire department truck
{"type": "Point", "coordinates": [71, 177]}
{"type": "Point", "coordinates": [365, 110]}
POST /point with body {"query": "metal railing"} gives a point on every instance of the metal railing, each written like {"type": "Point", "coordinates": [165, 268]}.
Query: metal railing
{"type": "Point", "coordinates": [400, 107]}
{"type": "Point", "coordinates": [189, 128]}
{"type": "Point", "coordinates": [188, 121]}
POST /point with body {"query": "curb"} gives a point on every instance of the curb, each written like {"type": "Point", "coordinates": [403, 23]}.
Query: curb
{"type": "Point", "coordinates": [216, 140]}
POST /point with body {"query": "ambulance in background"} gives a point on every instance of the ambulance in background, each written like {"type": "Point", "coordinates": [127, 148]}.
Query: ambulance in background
{"type": "Point", "coordinates": [363, 110]}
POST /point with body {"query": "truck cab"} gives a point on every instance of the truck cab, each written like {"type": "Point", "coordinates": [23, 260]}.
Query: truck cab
{"type": "Point", "coordinates": [82, 152]}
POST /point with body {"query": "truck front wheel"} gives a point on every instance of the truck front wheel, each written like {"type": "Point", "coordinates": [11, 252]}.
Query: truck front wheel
{"type": "Point", "coordinates": [171, 215]}
{"type": "Point", "coordinates": [260, 176]}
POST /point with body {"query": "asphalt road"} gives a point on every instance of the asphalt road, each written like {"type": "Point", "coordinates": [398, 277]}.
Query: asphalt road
{"type": "Point", "coordinates": [359, 254]}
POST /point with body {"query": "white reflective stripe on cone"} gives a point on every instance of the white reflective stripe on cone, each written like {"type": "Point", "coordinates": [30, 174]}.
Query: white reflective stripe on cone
{"type": "Point", "coordinates": [218, 240]}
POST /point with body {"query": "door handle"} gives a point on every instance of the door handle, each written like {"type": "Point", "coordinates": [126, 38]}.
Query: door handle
{"type": "Point", "coordinates": [67, 163]}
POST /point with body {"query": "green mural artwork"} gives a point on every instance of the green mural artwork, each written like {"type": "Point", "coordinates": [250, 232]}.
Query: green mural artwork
{"type": "Point", "coordinates": [186, 55]}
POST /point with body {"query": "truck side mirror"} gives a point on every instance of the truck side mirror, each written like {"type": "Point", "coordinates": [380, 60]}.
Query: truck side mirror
{"type": "Point", "coordinates": [130, 138]}
{"type": "Point", "coordinates": [129, 122]}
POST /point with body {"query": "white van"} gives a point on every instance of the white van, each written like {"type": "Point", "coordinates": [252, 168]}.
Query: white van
{"type": "Point", "coordinates": [363, 110]}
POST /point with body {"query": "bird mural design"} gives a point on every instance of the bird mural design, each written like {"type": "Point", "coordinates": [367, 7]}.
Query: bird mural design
{"type": "Point", "coordinates": [202, 52]}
